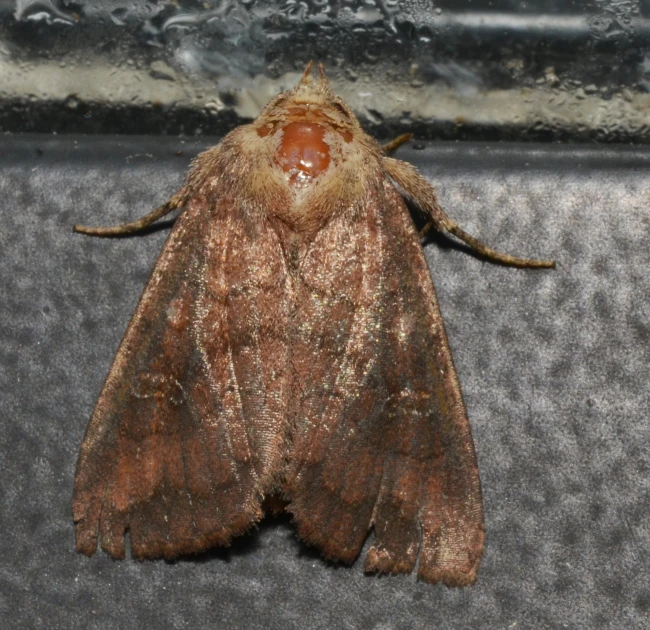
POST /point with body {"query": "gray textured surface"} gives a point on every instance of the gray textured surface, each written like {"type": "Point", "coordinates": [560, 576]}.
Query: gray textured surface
{"type": "Point", "coordinates": [554, 367]}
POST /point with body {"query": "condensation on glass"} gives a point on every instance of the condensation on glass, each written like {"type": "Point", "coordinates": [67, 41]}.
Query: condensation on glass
{"type": "Point", "coordinates": [502, 69]}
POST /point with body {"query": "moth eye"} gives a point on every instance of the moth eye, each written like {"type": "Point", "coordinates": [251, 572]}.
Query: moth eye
{"type": "Point", "coordinates": [341, 109]}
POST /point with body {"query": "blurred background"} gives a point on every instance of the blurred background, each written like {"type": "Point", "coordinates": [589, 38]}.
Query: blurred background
{"type": "Point", "coordinates": [549, 70]}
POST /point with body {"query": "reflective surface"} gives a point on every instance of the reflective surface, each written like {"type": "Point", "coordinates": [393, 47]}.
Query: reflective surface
{"type": "Point", "coordinates": [514, 69]}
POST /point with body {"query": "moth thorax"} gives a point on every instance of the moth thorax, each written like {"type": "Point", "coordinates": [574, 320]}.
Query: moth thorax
{"type": "Point", "coordinates": [303, 153]}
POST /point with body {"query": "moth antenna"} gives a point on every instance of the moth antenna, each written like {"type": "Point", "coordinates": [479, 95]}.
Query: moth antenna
{"type": "Point", "coordinates": [140, 224]}
{"type": "Point", "coordinates": [423, 195]}
{"type": "Point", "coordinates": [389, 147]}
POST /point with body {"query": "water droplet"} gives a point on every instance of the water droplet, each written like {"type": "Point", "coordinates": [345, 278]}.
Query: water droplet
{"type": "Point", "coordinates": [118, 16]}
{"type": "Point", "coordinates": [72, 102]}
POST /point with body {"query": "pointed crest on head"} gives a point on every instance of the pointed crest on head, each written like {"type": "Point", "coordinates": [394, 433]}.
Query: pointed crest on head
{"type": "Point", "coordinates": [309, 105]}
{"type": "Point", "coordinates": [306, 75]}
{"type": "Point", "coordinates": [308, 83]}
{"type": "Point", "coordinates": [307, 78]}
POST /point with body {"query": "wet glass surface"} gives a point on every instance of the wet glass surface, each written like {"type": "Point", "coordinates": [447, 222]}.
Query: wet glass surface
{"type": "Point", "coordinates": [479, 69]}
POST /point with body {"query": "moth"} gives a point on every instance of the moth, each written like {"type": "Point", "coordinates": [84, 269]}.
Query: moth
{"type": "Point", "coordinates": [289, 344]}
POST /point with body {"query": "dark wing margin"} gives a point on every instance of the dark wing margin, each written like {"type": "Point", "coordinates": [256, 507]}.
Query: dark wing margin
{"type": "Point", "coordinates": [381, 434]}
{"type": "Point", "coordinates": [170, 453]}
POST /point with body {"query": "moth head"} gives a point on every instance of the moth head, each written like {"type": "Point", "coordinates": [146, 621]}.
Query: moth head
{"type": "Point", "coordinates": [310, 127]}
{"type": "Point", "coordinates": [310, 101]}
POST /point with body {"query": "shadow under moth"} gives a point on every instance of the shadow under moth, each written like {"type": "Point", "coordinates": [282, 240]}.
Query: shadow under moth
{"type": "Point", "coordinates": [289, 344]}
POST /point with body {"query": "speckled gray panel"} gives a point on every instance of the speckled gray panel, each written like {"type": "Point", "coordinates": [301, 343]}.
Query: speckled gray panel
{"type": "Point", "coordinates": [555, 369]}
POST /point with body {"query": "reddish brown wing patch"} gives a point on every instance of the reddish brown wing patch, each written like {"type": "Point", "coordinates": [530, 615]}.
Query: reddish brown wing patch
{"type": "Point", "coordinates": [170, 453]}
{"type": "Point", "coordinates": [381, 434]}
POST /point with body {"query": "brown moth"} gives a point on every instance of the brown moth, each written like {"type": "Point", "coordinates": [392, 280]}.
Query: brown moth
{"type": "Point", "coordinates": [289, 344]}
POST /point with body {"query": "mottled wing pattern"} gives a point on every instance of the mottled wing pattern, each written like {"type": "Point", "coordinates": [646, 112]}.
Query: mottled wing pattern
{"type": "Point", "coordinates": [170, 453]}
{"type": "Point", "coordinates": [381, 433]}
